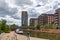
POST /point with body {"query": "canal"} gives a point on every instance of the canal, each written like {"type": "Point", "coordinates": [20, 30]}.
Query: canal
{"type": "Point", "coordinates": [43, 35]}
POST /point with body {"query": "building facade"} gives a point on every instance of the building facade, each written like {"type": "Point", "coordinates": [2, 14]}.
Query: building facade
{"type": "Point", "coordinates": [51, 18]}
{"type": "Point", "coordinates": [42, 19]}
{"type": "Point", "coordinates": [57, 18]}
{"type": "Point", "coordinates": [24, 18]}
{"type": "Point", "coordinates": [33, 22]}
{"type": "Point", "coordinates": [46, 19]}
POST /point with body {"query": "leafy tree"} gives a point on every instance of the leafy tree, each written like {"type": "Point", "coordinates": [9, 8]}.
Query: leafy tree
{"type": "Point", "coordinates": [42, 26]}
{"type": "Point", "coordinates": [53, 26]}
{"type": "Point", "coordinates": [38, 27]}
{"type": "Point", "coordinates": [7, 29]}
{"type": "Point", "coordinates": [0, 28]}
{"type": "Point", "coordinates": [13, 27]}
{"type": "Point", "coordinates": [4, 27]}
{"type": "Point", "coordinates": [46, 26]}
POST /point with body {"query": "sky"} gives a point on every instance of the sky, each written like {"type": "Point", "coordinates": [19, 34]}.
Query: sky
{"type": "Point", "coordinates": [10, 10]}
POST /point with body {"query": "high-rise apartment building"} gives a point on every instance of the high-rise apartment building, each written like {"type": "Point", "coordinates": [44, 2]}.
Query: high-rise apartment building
{"type": "Point", "coordinates": [57, 18]}
{"type": "Point", "coordinates": [24, 18]}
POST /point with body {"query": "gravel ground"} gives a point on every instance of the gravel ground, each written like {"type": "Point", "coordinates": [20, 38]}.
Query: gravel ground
{"type": "Point", "coordinates": [14, 36]}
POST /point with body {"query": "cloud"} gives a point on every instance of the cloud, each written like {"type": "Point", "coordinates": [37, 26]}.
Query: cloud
{"type": "Point", "coordinates": [12, 9]}
{"type": "Point", "coordinates": [33, 13]}
{"type": "Point", "coordinates": [38, 5]}
{"type": "Point", "coordinates": [7, 13]}
{"type": "Point", "coordinates": [23, 2]}
{"type": "Point", "coordinates": [5, 9]}
{"type": "Point", "coordinates": [10, 20]}
{"type": "Point", "coordinates": [17, 15]}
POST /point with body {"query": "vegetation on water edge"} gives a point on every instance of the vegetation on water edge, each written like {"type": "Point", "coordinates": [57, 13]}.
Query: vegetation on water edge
{"type": "Point", "coordinates": [43, 35]}
{"type": "Point", "coordinates": [4, 27]}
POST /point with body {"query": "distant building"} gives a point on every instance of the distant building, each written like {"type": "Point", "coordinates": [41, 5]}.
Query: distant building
{"type": "Point", "coordinates": [33, 22]}
{"type": "Point", "coordinates": [42, 19]}
{"type": "Point", "coordinates": [24, 18]}
{"type": "Point", "coordinates": [46, 19]}
{"type": "Point", "coordinates": [57, 18]}
{"type": "Point", "coordinates": [51, 18]}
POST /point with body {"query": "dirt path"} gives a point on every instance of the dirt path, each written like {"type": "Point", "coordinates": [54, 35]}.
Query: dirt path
{"type": "Point", "coordinates": [14, 36]}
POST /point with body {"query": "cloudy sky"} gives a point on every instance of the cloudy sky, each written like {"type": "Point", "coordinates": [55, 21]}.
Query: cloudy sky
{"type": "Point", "coordinates": [11, 9]}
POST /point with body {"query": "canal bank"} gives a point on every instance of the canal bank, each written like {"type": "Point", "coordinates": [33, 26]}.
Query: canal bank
{"type": "Point", "coordinates": [51, 34]}
{"type": "Point", "coordinates": [14, 36]}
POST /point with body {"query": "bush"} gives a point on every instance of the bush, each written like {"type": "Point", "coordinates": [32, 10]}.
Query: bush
{"type": "Point", "coordinates": [46, 26]}
{"type": "Point", "coordinates": [7, 29]}
{"type": "Point", "coordinates": [38, 27]}
{"type": "Point", "coordinates": [53, 26]}
{"type": "Point", "coordinates": [13, 27]}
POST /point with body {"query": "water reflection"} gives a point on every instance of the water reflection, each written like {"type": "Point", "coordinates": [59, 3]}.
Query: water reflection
{"type": "Point", "coordinates": [44, 35]}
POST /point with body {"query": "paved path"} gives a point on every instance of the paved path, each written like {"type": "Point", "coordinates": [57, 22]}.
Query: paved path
{"type": "Point", "coordinates": [14, 36]}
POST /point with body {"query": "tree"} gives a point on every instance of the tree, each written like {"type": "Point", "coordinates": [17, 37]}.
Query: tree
{"type": "Point", "coordinates": [7, 29]}
{"type": "Point", "coordinates": [38, 27]}
{"type": "Point", "coordinates": [13, 27]}
{"type": "Point", "coordinates": [53, 26]}
{"type": "Point", "coordinates": [4, 27]}
{"type": "Point", "coordinates": [41, 26]}
{"type": "Point", "coordinates": [46, 26]}
{"type": "Point", "coordinates": [0, 28]}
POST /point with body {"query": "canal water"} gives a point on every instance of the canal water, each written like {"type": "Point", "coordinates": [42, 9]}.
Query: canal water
{"type": "Point", "coordinates": [43, 35]}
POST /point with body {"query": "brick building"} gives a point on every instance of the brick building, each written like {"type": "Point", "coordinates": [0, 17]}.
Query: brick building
{"type": "Point", "coordinates": [33, 21]}
{"type": "Point", "coordinates": [57, 18]}
{"type": "Point", "coordinates": [46, 19]}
